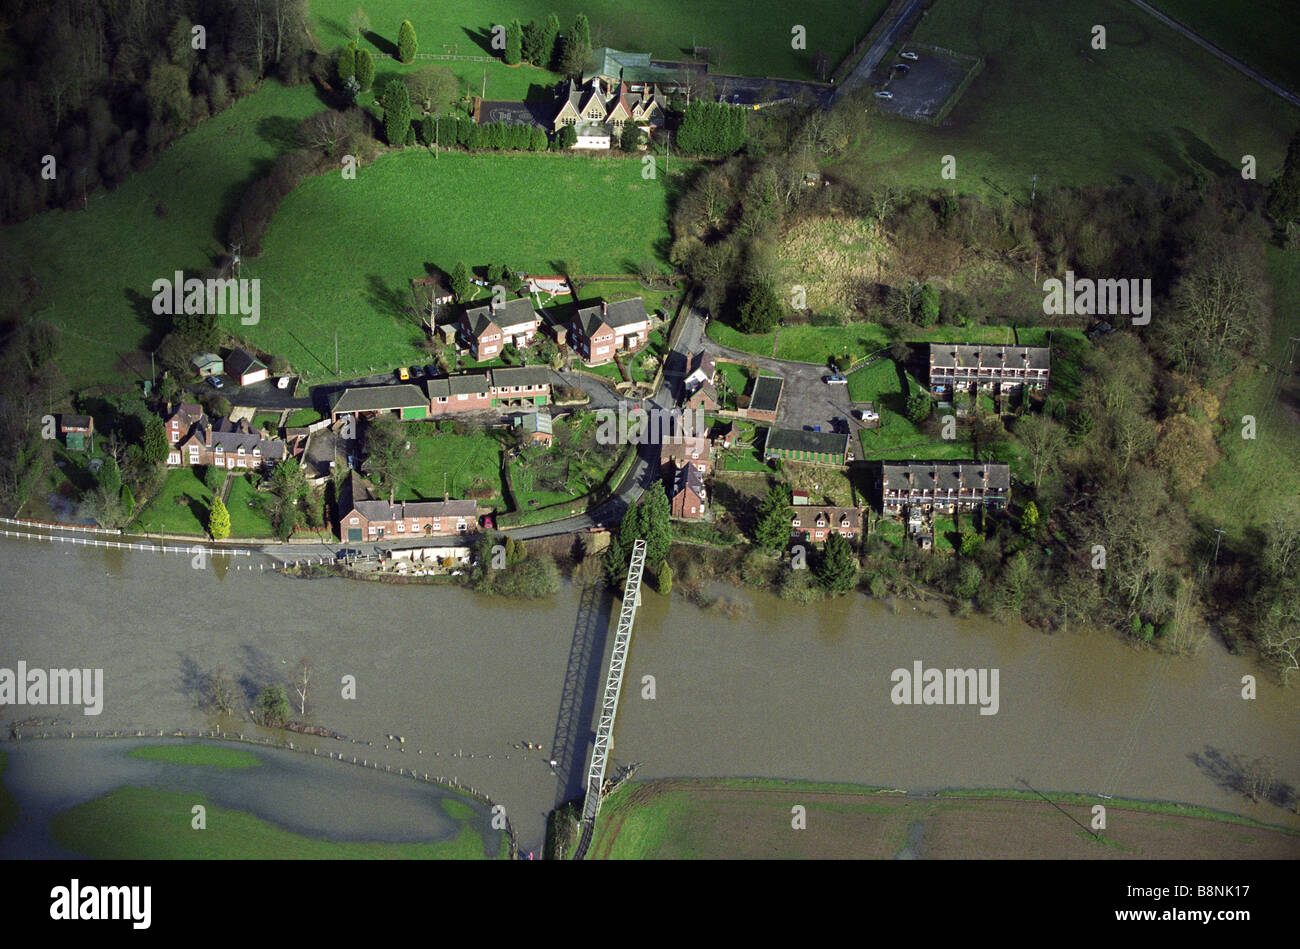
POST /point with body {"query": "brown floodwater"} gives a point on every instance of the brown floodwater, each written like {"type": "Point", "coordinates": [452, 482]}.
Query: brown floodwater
{"type": "Point", "coordinates": [781, 691]}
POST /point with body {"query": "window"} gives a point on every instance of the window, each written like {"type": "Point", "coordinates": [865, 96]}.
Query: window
{"type": "Point", "coordinates": [401, 527]}
{"type": "Point", "coordinates": [353, 521]}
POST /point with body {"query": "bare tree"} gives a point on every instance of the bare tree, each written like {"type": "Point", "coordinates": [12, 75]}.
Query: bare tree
{"type": "Point", "coordinates": [301, 680]}
{"type": "Point", "coordinates": [221, 692]}
{"type": "Point", "coordinates": [1260, 778]}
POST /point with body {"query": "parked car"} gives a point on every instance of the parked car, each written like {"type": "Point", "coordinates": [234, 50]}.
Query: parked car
{"type": "Point", "coordinates": [835, 380]}
{"type": "Point", "coordinates": [346, 554]}
{"type": "Point", "coordinates": [431, 370]}
{"type": "Point", "coordinates": [910, 55]}
{"type": "Point", "coordinates": [901, 68]}
{"type": "Point", "coordinates": [283, 382]}
{"type": "Point", "coordinates": [215, 382]}
{"type": "Point", "coordinates": [884, 94]}
{"type": "Point", "coordinates": [403, 374]}
{"type": "Point", "coordinates": [866, 415]}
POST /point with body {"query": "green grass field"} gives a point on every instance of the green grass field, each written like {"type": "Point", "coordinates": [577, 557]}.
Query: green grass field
{"type": "Point", "coordinates": [181, 506]}
{"type": "Point", "coordinates": [1263, 34]}
{"type": "Point", "coordinates": [207, 755]}
{"type": "Point", "coordinates": [302, 417]}
{"type": "Point", "coordinates": [198, 181]}
{"type": "Point", "coordinates": [133, 823]}
{"type": "Point", "coordinates": [463, 463]}
{"type": "Point", "coordinates": [340, 254]}
{"type": "Point", "coordinates": [1152, 104]}
{"type": "Point", "coordinates": [245, 506]}
{"type": "Point", "coordinates": [747, 39]}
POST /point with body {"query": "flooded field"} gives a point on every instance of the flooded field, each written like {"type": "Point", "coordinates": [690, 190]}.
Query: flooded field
{"type": "Point", "coordinates": [782, 691]}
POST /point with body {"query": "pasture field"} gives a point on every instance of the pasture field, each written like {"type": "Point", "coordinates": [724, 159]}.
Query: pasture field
{"type": "Point", "coordinates": [207, 755]}
{"type": "Point", "coordinates": [340, 254]}
{"type": "Point", "coordinates": [751, 39]}
{"type": "Point", "coordinates": [1263, 34]}
{"type": "Point", "coordinates": [749, 819]}
{"type": "Point", "coordinates": [128, 243]}
{"type": "Point", "coordinates": [1152, 104]}
{"type": "Point", "coordinates": [134, 823]}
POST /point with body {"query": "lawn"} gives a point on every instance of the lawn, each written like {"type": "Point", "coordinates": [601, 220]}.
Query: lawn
{"type": "Point", "coordinates": [245, 506]}
{"type": "Point", "coordinates": [468, 465]}
{"type": "Point", "coordinates": [1261, 33]}
{"type": "Point", "coordinates": [340, 254]}
{"type": "Point", "coordinates": [299, 418]}
{"type": "Point", "coordinates": [132, 823]}
{"type": "Point", "coordinates": [1152, 104]}
{"type": "Point", "coordinates": [816, 344]}
{"type": "Point", "coordinates": [887, 387]}
{"type": "Point", "coordinates": [195, 183]}
{"type": "Point", "coordinates": [747, 39]}
{"type": "Point", "coordinates": [737, 381]}
{"type": "Point", "coordinates": [757, 344]}
{"type": "Point", "coordinates": [206, 755]}
{"type": "Point", "coordinates": [180, 507]}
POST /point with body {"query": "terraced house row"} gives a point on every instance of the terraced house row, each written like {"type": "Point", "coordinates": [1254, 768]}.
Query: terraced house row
{"type": "Point", "coordinates": [943, 487]}
{"type": "Point", "coordinates": [515, 387]}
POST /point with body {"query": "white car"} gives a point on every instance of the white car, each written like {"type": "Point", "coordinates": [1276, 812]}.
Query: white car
{"type": "Point", "coordinates": [283, 382]}
{"type": "Point", "coordinates": [884, 94]}
{"type": "Point", "coordinates": [866, 415]}
{"type": "Point", "coordinates": [835, 380]}
{"type": "Point", "coordinates": [910, 55]}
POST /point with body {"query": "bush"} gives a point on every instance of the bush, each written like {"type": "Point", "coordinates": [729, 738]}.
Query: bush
{"type": "Point", "coordinates": [365, 70]}
{"type": "Point", "coordinates": [346, 66]}
{"type": "Point", "coordinates": [568, 137]}
{"type": "Point", "coordinates": [272, 707]}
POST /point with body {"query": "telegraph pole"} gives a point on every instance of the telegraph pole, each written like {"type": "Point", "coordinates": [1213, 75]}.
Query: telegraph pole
{"type": "Point", "coordinates": [1219, 537]}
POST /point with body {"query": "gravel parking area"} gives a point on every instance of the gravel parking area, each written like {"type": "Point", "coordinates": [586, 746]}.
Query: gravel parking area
{"type": "Point", "coordinates": [920, 93]}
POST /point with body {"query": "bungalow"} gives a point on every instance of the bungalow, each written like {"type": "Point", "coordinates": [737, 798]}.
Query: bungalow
{"type": "Point", "coordinates": [405, 400]}
{"type": "Point", "coordinates": [686, 495]}
{"type": "Point", "coordinates": [244, 368]}
{"type": "Point", "coordinates": [943, 487]}
{"type": "Point", "coordinates": [823, 448]}
{"type": "Point", "coordinates": [998, 368]}
{"type": "Point", "coordinates": [816, 523]}
{"type": "Point", "coordinates": [208, 364]}
{"type": "Point", "coordinates": [537, 427]}
{"type": "Point", "coordinates": [684, 450]}
{"type": "Point", "coordinates": [226, 444]}
{"type": "Point", "coordinates": [362, 517]}
{"type": "Point", "coordinates": [75, 428]}
{"type": "Point", "coordinates": [486, 330]}
{"type": "Point", "coordinates": [600, 330]}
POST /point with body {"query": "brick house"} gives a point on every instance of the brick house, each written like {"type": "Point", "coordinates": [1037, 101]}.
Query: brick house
{"type": "Point", "coordinates": [408, 401]}
{"type": "Point", "coordinates": [686, 494]}
{"type": "Point", "coordinates": [519, 386]}
{"type": "Point", "coordinates": [599, 331]}
{"type": "Point", "coordinates": [943, 487]}
{"type": "Point", "coordinates": [486, 330]}
{"type": "Point", "coordinates": [466, 392]}
{"type": "Point", "coordinates": [704, 397]}
{"type": "Point", "coordinates": [699, 370]}
{"type": "Point", "coordinates": [225, 444]}
{"type": "Point", "coordinates": [362, 517]}
{"type": "Point", "coordinates": [690, 450]}
{"type": "Point", "coordinates": [817, 522]}
{"type": "Point", "coordinates": [956, 367]}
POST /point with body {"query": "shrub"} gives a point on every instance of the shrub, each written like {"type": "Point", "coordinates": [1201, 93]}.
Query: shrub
{"type": "Point", "coordinates": [365, 70]}
{"type": "Point", "coordinates": [346, 66]}
{"type": "Point", "coordinates": [407, 46]}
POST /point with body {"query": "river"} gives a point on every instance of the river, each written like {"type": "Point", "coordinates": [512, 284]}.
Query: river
{"type": "Point", "coordinates": [780, 691]}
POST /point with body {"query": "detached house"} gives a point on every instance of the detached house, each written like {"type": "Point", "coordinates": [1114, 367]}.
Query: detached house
{"type": "Point", "coordinates": [362, 517]}
{"type": "Point", "coordinates": [956, 367]}
{"type": "Point", "coordinates": [814, 523]}
{"type": "Point", "coordinates": [943, 487]}
{"type": "Point", "coordinates": [598, 331]}
{"type": "Point", "coordinates": [487, 329]}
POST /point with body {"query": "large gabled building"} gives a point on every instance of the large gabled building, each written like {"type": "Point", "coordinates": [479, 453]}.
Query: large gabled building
{"type": "Point", "coordinates": [943, 487]}
{"type": "Point", "coordinates": [488, 329]}
{"type": "Point", "coordinates": [821, 448]}
{"type": "Point", "coordinates": [599, 110]}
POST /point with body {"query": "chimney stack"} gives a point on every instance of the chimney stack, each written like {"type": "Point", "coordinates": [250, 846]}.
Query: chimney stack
{"type": "Point", "coordinates": [392, 493]}
{"type": "Point", "coordinates": [604, 308]}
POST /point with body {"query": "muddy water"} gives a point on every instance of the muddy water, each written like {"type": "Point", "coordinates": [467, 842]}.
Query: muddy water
{"type": "Point", "coordinates": [786, 691]}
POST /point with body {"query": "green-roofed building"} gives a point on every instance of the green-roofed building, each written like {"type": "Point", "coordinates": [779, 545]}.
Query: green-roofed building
{"type": "Point", "coordinates": [818, 448]}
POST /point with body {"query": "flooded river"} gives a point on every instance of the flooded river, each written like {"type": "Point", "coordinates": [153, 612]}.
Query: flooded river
{"type": "Point", "coordinates": [783, 692]}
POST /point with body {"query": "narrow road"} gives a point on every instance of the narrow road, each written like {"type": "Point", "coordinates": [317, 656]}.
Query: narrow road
{"type": "Point", "coordinates": [1211, 48]}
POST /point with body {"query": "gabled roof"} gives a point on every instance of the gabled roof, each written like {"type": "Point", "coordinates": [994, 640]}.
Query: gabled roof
{"type": "Point", "coordinates": [511, 313]}
{"type": "Point", "coordinates": [535, 423]}
{"type": "Point", "coordinates": [615, 315]}
{"type": "Point", "coordinates": [379, 510]}
{"type": "Point", "coordinates": [241, 361]}
{"type": "Point", "coordinates": [837, 518]}
{"type": "Point", "coordinates": [75, 421]}
{"type": "Point", "coordinates": [964, 355]}
{"type": "Point", "coordinates": [788, 439]}
{"type": "Point", "coordinates": [380, 398]}
{"type": "Point", "coordinates": [521, 376]}
{"type": "Point", "coordinates": [205, 359]}
{"type": "Point", "coordinates": [945, 475]}
{"type": "Point", "coordinates": [465, 383]}
{"type": "Point", "coordinates": [686, 478]}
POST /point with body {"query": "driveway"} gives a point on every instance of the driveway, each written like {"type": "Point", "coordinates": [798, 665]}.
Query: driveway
{"type": "Point", "coordinates": [861, 74]}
